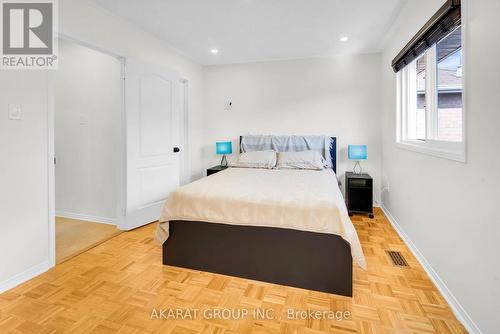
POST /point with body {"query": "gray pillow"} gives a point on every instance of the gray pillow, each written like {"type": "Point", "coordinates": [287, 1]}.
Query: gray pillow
{"type": "Point", "coordinates": [301, 160]}
{"type": "Point", "coordinates": [255, 159]}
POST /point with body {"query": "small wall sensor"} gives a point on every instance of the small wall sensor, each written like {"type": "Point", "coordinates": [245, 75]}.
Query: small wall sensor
{"type": "Point", "coordinates": [82, 120]}
{"type": "Point", "coordinates": [228, 106]}
{"type": "Point", "coordinates": [14, 111]}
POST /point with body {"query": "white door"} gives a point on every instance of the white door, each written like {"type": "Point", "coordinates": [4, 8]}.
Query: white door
{"type": "Point", "coordinates": [152, 166]}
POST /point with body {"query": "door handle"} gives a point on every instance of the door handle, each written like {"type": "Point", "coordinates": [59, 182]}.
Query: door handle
{"type": "Point", "coordinates": [176, 149]}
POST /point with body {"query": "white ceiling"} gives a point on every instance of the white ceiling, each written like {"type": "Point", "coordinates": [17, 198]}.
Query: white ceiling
{"type": "Point", "coordinates": [259, 30]}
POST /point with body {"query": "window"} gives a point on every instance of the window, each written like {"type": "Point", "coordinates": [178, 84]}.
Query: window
{"type": "Point", "coordinates": [430, 101]}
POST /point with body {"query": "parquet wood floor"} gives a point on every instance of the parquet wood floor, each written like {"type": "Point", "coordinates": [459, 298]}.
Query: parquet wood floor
{"type": "Point", "coordinates": [114, 288]}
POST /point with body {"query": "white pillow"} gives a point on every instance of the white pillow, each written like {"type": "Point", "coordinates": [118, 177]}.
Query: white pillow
{"type": "Point", "coordinates": [256, 159]}
{"type": "Point", "coordinates": [301, 160]}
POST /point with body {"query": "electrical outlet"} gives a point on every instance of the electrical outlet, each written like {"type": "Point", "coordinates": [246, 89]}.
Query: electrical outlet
{"type": "Point", "coordinates": [385, 184]}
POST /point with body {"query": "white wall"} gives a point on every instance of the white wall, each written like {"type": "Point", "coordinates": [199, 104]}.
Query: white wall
{"type": "Point", "coordinates": [336, 96]}
{"type": "Point", "coordinates": [88, 122]}
{"type": "Point", "coordinates": [450, 209]}
{"type": "Point", "coordinates": [24, 244]}
{"type": "Point", "coordinates": [23, 177]}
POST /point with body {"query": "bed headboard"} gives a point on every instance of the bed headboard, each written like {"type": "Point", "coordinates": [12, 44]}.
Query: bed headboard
{"type": "Point", "coordinates": [333, 151]}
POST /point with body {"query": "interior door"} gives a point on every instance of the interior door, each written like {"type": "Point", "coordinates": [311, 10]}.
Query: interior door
{"type": "Point", "coordinates": [152, 162]}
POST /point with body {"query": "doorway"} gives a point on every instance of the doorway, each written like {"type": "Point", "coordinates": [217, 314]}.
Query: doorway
{"type": "Point", "coordinates": [134, 149]}
{"type": "Point", "coordinates": [87, 103]}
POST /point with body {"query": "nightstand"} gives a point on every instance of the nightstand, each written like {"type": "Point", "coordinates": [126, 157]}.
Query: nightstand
{"type": "Point", "coordinates": [215, 169]}
{"type": "Point", "coordinates": [359, 193]}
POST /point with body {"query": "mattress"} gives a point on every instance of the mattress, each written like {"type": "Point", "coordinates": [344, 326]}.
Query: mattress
{"type": "Point", "coordinates": [305, 200]}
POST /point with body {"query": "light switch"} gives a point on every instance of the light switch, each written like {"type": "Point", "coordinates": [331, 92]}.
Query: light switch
{"type": "Point", "coordinates": [14, 111]}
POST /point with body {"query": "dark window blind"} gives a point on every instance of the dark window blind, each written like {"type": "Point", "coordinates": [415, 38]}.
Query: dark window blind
{"type": "Point", "coordinates": [447, 19]}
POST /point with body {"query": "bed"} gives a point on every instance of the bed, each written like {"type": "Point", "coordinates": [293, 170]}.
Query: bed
{"type": "Point", "coordinates": [288, 227]}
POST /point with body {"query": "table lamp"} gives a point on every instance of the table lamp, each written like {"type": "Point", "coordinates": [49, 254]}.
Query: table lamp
{"type": "Point", "coordinates": [356, 152]}
{"type": "Point", "coordinates": [224, 147]}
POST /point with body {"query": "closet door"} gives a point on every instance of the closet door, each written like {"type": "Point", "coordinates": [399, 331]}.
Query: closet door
{"type": "Point", "coordinates": [152, 160]}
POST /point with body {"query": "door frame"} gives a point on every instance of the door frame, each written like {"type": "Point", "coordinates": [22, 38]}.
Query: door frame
{"type": "Point", "coordinates": [185, 164]}
{"type": "Point", "coordinates": [51, 145]}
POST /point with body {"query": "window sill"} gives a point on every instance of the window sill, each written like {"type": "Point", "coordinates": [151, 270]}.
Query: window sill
{"type": "Point", "coordinates": [445, 150]}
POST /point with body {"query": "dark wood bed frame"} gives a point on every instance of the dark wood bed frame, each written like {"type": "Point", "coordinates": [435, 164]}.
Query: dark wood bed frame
{"type": "Point", "coordinates": [309, 260]}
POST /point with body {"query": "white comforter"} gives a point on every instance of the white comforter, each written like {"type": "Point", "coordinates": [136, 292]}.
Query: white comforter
{"type": "Point", "coordinates": [304, 200]}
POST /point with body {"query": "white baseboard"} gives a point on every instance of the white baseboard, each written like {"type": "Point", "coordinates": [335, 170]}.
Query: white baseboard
{"type": "Point", "coordinates": [93, 219]}
{"type": "Point", "coordinates": [455, 306]}
{"type": "Point", "coordinates": [24, 276]}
